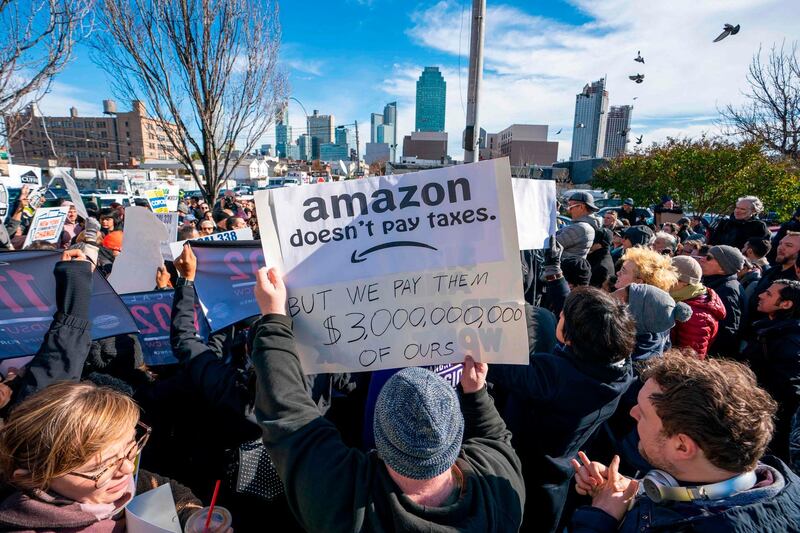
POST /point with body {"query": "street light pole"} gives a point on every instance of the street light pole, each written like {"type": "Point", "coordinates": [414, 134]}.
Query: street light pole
{"type": "Point", "coordinates": [472, 130]}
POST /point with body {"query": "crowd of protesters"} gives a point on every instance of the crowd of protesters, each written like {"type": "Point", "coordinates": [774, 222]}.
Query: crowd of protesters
{"type": "Point", "coordinates": [662, 394]}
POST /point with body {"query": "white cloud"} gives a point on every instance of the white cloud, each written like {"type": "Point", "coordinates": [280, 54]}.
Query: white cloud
{"type": "Point", "coordinates": [534, 66]}
{"type": "Point", "coordinates": [64, 96]}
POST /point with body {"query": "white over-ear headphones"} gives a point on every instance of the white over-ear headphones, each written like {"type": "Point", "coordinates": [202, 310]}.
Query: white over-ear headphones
{"type": "Point", "coordinates": [660, 486]}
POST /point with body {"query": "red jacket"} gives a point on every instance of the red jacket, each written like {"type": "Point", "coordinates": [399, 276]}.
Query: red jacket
{"type": "Point", "coordinates": [699, 331]}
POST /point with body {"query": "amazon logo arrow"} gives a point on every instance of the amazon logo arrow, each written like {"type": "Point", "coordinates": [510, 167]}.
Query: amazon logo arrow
{"type": "Point", "coordinates": [361, 257]}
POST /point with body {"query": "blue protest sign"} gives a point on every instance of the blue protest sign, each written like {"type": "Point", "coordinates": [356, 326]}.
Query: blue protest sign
{"type": "Point", "coordinates": [152, 312]}
{"type": "Point", "coordinates": [226, 275]}
{"type": "Point", "coordinates": [27, 303]}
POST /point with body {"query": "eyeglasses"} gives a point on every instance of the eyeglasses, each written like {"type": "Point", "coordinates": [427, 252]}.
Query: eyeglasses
{"type": "Point", "coordinates": [105, 475]}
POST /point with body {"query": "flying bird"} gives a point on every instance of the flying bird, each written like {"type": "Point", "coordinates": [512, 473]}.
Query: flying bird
{"type": "Point", "coordinates": [559, 131]}
{"type": "Point", "coordinates": [624, 132]}
{"type": "Point", "coordinates": [635, 97]}
{"type": "Point", "coordinates": [728, 29]}
{"type": "Point", "coordinates": [639, 58]}
{"type": "Point", "coordinates": [639, 139]}
{"type": "Point", "coordinates": [638, 78]}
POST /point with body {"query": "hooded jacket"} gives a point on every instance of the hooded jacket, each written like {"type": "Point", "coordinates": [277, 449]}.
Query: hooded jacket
{"type": "Point", "coordinates": [699, 331]}
{"type": "Point", "coordinates": [731, 292]}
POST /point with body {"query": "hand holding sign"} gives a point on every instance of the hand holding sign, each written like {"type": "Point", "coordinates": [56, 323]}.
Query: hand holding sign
{"type": "Point", "coordinates": [473, 378]}
{"type": "Point", "coordinates": [270, 292]}
{"type": "Point", "coordinates": [186, 263]}
{"type": "Point", "coordinates": [75, 255]}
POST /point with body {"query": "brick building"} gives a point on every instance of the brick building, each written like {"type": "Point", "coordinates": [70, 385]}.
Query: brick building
{"type": "Point", "coordinates": [114, 140]}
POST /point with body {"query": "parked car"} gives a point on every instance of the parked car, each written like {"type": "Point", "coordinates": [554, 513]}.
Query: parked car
{"type": "Point", "coordinates": [641, 212]}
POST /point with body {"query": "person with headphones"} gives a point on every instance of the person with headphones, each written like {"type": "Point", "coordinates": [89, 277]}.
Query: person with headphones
{"type": "Point", "coordinates": [704, 426]}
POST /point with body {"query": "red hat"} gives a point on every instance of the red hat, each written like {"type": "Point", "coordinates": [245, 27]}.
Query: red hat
{"type": "Point", "coordinates": [113, 241]}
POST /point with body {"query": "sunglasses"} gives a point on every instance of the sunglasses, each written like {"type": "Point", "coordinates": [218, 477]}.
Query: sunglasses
{"type": "Point", "coordinates": [105, 475]}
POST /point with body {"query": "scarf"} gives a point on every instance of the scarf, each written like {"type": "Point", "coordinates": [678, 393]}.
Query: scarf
{"type": "Point", "coordinates": [688, 292]}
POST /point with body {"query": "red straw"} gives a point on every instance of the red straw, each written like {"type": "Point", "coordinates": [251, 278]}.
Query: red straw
{"type": "Point", "coordinates": [211, 508]}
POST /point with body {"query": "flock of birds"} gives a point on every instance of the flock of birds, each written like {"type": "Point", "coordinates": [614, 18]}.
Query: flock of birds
{"type": "Point", "coordinates": [727, 29]}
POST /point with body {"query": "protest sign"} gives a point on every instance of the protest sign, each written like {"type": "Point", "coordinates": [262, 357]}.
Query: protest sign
{"type": "Point", "coordinates": [171, 194]}
{"type": "Point", "coordinates": [27, 303]}
{"type": "Point", "coordinates": [3, 202]}
{"type": "Point", "coordinates": [19, 175]}
{"type": "Point", "coordinates": [152, 312]}
{"type": "Point", "coordinates": [393, 271]}
{"type": "Point", "coordinates": [153, 512]}
{"type": "Point", "coordinates": [244, 234]}
{"type": "Point", "coordinates": [47, 224]}
{"type": "Point", "coordinates": [170, 220]}
{"type": "Point", "coordinates": [157, 200]}
{"type": "Point", "coordinates": [535, 206]}
{"type": "Point", "coordinates": [226, 275]}
{"type": "Point", "coordinates": [135, 267]}
{"type": "Point", "coordinates": [74, 193]}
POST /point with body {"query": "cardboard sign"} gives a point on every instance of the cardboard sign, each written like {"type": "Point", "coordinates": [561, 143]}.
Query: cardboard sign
{"type": "Point", "coordinates": [172, 193]}
{"type": "Point", "coordinates": [170, 221]}
{"type": "Point", "coordinates": [157, 200]}
{"type": "Point", "coordinates": [535, 205]}
{"type": "Point", "coordinates": [47, 224]}
{"type": "Point", "coordinates": [74, 193]}
{"type": "Point", "coordinates": [245, 234]}
{"type": "Point", "coordinates": [152, 312]}
{"type": "Point", "coordinates": [27, 303]}
{"type": "Point", "coordinates": [226, 275]}
{"type": "Point", "coordinates": [153, 512]}
{"type": "Point", "coordinates": [393, 271]}
{"type": "Point", "coordinates": [19, 175]}
{"type": "Point", "coordinates": [135, 267]}
{"type": "Point", "coordinates": [3, 202]}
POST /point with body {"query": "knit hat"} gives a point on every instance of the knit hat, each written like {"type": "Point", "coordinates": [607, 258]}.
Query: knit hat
{"type": "Point", "coordinates": [639, 235]}
{"type": "Point", "coordinates": [654, 310]}
{"type": "Point", "coordinates": [418, 424]}
{"type": "Point", "coordinates": [577, 270]}
{"type": "Point", "coordinates": [729, 258]}
{"type": "Point", "coordinates": [689, 270]}
{"type": "Point", "coordinates": [113, 241]}
{"type": "Point", "coordinates": [628, 201]}
{"type": "Point", "coordinates": [603, 237]}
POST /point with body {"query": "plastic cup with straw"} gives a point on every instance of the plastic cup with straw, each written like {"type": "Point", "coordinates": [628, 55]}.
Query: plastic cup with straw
{"type": "Point", "coordinates": [211, 519]}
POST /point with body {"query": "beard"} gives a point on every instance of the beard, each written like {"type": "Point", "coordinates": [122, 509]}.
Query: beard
{"type": "Point", "coordinates": [656, 460]}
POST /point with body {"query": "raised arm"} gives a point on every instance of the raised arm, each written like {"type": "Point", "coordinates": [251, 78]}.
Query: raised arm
{"type": "Point", "coordinates": [325, 481]}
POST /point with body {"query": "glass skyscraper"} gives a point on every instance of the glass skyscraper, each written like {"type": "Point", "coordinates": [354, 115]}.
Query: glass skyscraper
{"type": "Point", "coordinates": [618, 127]}
{"type": "Point", "coordinates": [283, 131]}
{"type": "Point", "coordinates": [431, 98]}
{"type": "Point", "coordinates": [589, 128]}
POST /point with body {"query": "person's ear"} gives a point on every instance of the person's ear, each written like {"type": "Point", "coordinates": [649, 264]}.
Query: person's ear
{"type": "Point", "coordinates": [785, 304]}
{"type": "Point", "coordinates": [684, 447]}
{"type": "Point", "coordinates": [20, 473]}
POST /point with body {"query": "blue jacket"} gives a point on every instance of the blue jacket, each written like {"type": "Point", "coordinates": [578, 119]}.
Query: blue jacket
{"type": "Point", "coordinates": [768, 507]}
{"type": "Point", "coordinates": [555, 405]}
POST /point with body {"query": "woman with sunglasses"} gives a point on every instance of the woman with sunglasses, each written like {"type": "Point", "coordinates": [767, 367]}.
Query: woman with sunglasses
{"type": "Point", "coordinates": [69, 454]}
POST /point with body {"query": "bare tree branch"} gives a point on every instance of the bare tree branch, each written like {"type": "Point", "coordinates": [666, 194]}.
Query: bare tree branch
{"type": "Point", "coordinates": [36, 43]}
{"type": "Point", "coordinates": [771, 116]}
{"type": "Point", "coordinates": [208, 67]}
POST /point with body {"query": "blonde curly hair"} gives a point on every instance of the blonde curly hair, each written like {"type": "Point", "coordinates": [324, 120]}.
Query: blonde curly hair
{"type": "Point", "coordinates": [652, 267]}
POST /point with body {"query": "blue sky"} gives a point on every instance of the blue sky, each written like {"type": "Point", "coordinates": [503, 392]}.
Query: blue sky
{"type": "Point", "coordinates": [349, 57]}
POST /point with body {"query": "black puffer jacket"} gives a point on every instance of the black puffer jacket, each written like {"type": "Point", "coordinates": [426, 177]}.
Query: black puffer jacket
{"type": "Point", "coordinates": [735, 232]}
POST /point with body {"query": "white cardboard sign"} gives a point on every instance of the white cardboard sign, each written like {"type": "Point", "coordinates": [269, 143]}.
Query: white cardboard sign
{"type": "Point", "coordinates": [535, 205]}
{"type": "Point", "coordinates": [396, 271]}
{"type": "Point", "coordinates": [135, 267]}
{"type": "Point", "coordinates": [47, 224]}
{"type": "Point", "coordinates": [74, 193]}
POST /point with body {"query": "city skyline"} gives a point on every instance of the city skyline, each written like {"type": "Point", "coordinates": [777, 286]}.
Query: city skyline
{"type": "Point", "coordinates": [529, 78]}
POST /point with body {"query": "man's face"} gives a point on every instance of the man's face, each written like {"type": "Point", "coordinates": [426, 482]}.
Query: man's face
{"type": "Point", "coordinates": [749, 253]}
{"type": "Point", "coordinates": [627, 208]}
{"type": "Point", "coordinates": [72, 214]}
{"type": "Point", "coordinates": [107, 223]}
{"type": "Point", "coordinates": [238, 224]}
{"type": "Point", "coordinates": [743, 210]}
{"type": "Point", "coordinates": [769, 301]}
{"type": "Point", "coordinates": [610, 219]}
{"type": "Point", "coordinates": [788, 250]}
{"type": "Point", "coordinates": [206, 228]}
{"type": "Point", "coordinates": [669, 204]}
{"type": "Point", "coordinates": [652, 441]}
{"type": "Point", "coordinates": [576, 209]}
{"type": "Point", "coordinates": [710, 266]}
{"type": "Point", "coordinates": [660, 244]}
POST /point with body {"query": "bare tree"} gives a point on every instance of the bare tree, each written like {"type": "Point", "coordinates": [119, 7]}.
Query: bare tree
{"type": "Point", "coordinates": [207, 71]}
{"type": "Point", "coordinates": [36, 42]}
{"type": "Point", "coordinates": [771, 117]}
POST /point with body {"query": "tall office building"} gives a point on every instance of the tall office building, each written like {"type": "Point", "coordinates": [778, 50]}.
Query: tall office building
{"type": "Point", "coordinates": [304, 147]}
{"type": "Point", "coordinates": [431, 99]}
{"type": "Point", "coordinates": [589, 127]}
{"type": "Point", "coordinates": [617, 130]}
{"type": "Point", "coordinates": [283, 131]}
{"type": "Point", "coordinates": [375, 121]}
{"type": "Point", "coordinates": [320, 128]}
{"type": "Point", "coordinates": [383, 128]}
{"type": "Point", "coordinates": [340, 149]}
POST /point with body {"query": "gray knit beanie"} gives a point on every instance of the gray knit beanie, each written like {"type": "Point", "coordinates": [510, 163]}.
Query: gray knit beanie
{"type": "Point", "coordinates": [654, 310]}
{"type": "Point", "coordinates": [729, 258]}
{"type": "Point", "coordinates": [418, 424]}
{"type": "Point", "coordinates": [689, 270]}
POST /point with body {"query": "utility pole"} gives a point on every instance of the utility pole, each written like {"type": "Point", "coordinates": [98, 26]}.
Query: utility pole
{"type": "Point", "coordinates": [472, 130]}
{"type": "Point", "coordinates": [358, 150]}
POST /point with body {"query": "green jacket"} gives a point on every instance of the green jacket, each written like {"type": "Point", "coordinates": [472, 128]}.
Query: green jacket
{"type": "Point", "coordinates": [331, 487]}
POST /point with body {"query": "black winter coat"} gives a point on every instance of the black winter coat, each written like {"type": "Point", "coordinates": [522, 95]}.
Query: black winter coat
{"type": "Point", "coordinates": [602, 266]}
{"type": "Point", "coordinates": [731, 292]}
{"type": "Point", "coordinates": [555, 406]}
{"type": "Point", "coordinates": [735, 232]}
{"type": "Point", "coordinates": [774, 355]}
